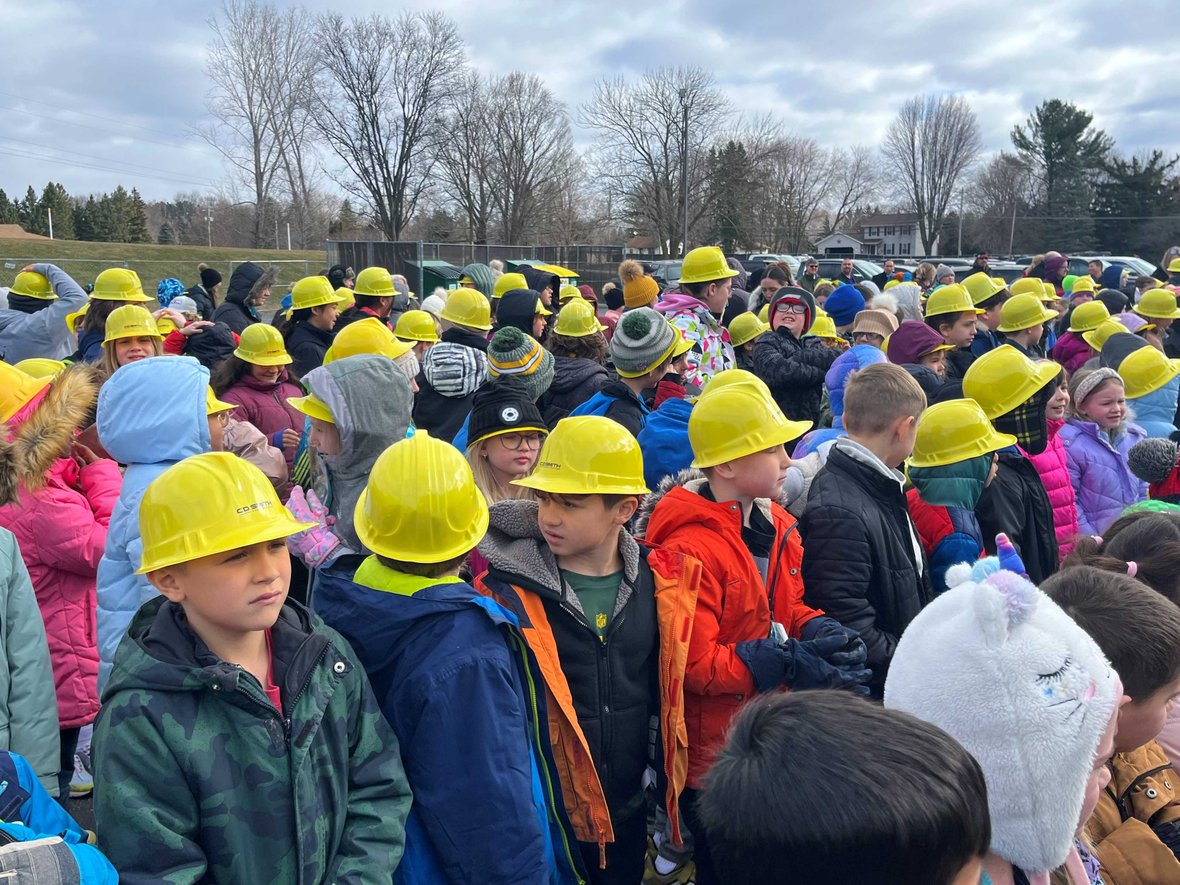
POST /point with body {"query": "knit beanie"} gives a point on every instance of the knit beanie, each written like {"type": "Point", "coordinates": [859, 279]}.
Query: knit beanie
{"type": "Point", "coordinates": [912, 341]}
{"type": "Point", "coordinates": [641, 341]}
{"type": "Point", "coordinates": [844, 304]}
{"type": "Point", "coordinates": [454, 370]}
{"type": "Point", "coordinates": [941, 271]}
{"type": "Point", "coordinates": [503, 406]}
{"type": "Point", "coordinates": [798, 295]}
{"type": "Point", "coordinates": [432, 304]}
{"type": "Point", "coordinates": [513, 353]}
{"type": "Point", "coordinates": [210, 276]}
{"type": "Point", "coordinates": [1153, 460]}
{"type": "Point", "coordinates": [639, 290]}
{"type": "Point", "coordinates": [875, 322]}
{"type": "Point", "coordinates": [999, 666]}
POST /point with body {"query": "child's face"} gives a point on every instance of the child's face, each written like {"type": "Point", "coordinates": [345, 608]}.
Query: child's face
{"type": "Point", "coordinates": [266, 374]}
{"type": "Point", "coordinates": [217, 431]}
{"type": "Point", "coordinates": [790, 314]}
{"type": "Point", "coordinates": [962, 332]}
{"type": "Point", "coordinates": [538, 326]}
{"type": "Point", "coordinates": [324, 437]}
{"type": "Point", "coordinates": [1100, 773]}
{"type": "Point", "coordinates": [993, 470]}
{"type": "Point", "coordinates": [1106, 406]}
{"type": "Point", "coordinates": [231, 593]}
{"type": "Point", "coordinates": [513, 454]}
{"type": "Point", "coordinates": [573, 525]}
{"type": "Point", "coordinates": [760, 475]}
{"type": "Point", "coordinates": [936, 362]}
{"type": "Point", "coordinates": [991, 317]}
{"type": "Point", "coordinates": [1141, 721]}
{"type": "Point", "coordinates": [870, 338]}
{"type": "Point", "coordinates": [130, 350]}
{"type": "Point", "coordinates": [1058, 403]}
{"type": "Point", "coordinates": [1033, 333]}
{"type": "Point", "coordinates": [679, 365]}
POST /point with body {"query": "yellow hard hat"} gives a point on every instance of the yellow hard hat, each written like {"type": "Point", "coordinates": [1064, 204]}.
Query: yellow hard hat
{"type": "Point", "coordinates": [118, 284]}
{"type": "Point", "coordinates": [312, 292]}
{"type": "Point", "coordinates": [1087, 317]}
{"type": "Point", "coordinates": [731, 376]}
{"type": "Point", "coordinates": [376, 282]}
{"type": "Point", "coordinates": [262, 344]}
{"type": "Point", "coordinates": [1003, 378]}
{"type": "Point", "coordinates": [1098, 337]}
{"type": "Point", "coordinates": [1174, 266]}
{"type": "Point", "coordinates": [369, 335]}
{"type": "Point", "coordinates": [980, 287]}
{"type": "Point", "coordinates": [953, 431]}
{"type": "Point", "coordinates": [891, 283]}
{"type": "Point", "coordinates": [207, 504]}
{"type": "Point", "coordinates": [1146, 370]}
{"type": "Point", "coordinates": [682, 345]}
{"type": "Point", "coordinates": [738, 420]}
{"type": "Point", "coordinates": [421, 503]}
{"type": "Point", "coordinates": [39, 367]}
{"type": "Point", "coordinates": [1000, 282]}
{"type": "Point", "coordinates": [165, 325]}
{"type": "Point", "coordinates": [468, 307]}
{"type": "Point", "coordinates": [1049, 295]}
{"type": "Point", "coordinates": [213, 405]}
{"type": "Point", "coordinates": [588, 455]}
{"type": "Point", "coordinates": [345, 297]}
{"type": "Point", "coordinates": [1028, 286]}
{"type": "Point", "coordinates": [312, 406]}
{"type": "Point", "coordinates": [16, 389]}
{"type": "Point", "coordinates": [567, 292]}
{"type": "Point", "coordinates": [72, 318]}
{"type": "Point", "coordinates": [744, 328]}
{"type": "Point", "coordinates": [823, 327]}
{"type": "Point", "coordinates": [764, 315]}
{"type": "Point", "coordinates": [1083, 284]}
{"type": "Point", "coordinates": [130, 321]}
{"type": "Point", "coordinates": [955, 298]}
{"type": "Point", "coordinates": [576, 319]}
{"type": "Point", "coordinates": [1023, 312]}
{"type": "Point", "coordinates": [542, 310]}
{"type": "Point", "coordinates": [1159, 304]}
{"type": "Point", "coordinates": [416, 325]}
{"type": "Point", "coordinates": [506, 282]}
{"type": "Point", "coordinates": [32, 285]}
{"type": "Point", "coordinates": [705, 264]}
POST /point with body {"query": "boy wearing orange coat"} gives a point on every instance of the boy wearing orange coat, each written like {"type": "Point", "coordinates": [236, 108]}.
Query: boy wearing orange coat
{"type": "Point", "coordinates": [751, 631]}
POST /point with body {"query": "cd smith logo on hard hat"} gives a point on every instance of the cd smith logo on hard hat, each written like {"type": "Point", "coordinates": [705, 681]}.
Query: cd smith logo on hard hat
{"type": "Point", "coordinates": [260, 505]}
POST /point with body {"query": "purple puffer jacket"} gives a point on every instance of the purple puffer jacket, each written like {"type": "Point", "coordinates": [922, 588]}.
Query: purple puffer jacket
{"type": "Point", "coordinates": [1102, 482]}
{"type": "Point", "coordinates": [266, 407]}
{"type": "Point", "coordinates": [1051, 465]}
{"type": "Point", "coordinates": [1071, 350]}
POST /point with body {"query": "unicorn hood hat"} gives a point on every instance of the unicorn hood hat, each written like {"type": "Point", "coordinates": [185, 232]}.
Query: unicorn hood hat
{"type": "Point", "coordinates": [1000, 667]}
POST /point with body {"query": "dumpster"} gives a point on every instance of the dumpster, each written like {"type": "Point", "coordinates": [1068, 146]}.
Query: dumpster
{"type": "Point", "coordinates": [433, 274]}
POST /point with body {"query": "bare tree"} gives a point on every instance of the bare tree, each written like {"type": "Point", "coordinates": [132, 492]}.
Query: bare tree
{"type": "Point", "coordinates": [258, 59]}
{"type": "Point", "coordinates": [466, 157]}
{"type": "Point", "coordinates": [642, 142]}
{"type": "Point", "coordinates": [1000, 192]}
{"type": "Point", "coordinates": [856, 181]}
{"type": "Point", "coordinates": [380, 106]}
{"type": "Point", "coordinates": [798, 179]}
{"type": "Point", "coordinates": [930, 144]}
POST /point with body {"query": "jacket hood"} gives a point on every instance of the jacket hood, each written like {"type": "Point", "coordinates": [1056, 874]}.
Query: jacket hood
{"type": "Point", "coordinates": [246, 278]}
{"type": "Point", "coordinates": [909, 302]}
{"type": "Point", "coordinates": [45, 435]}
{"type": "Point", "coordinates": [1159, 406]}
{"type": "Point", "coordinates": [161, 654]}
{"type": "Point", "coordinates": [929, 380]}
{"type": "Point", "coordinates": [570, 373]}
{"type": "Point", "coordinates": [952, 485]}
{"type": "Point", "coordinates": [1118, 347]}
{"type": "Point", "coordinates": [482, 276]}
{"type": "Point", "coordinates": [675, 302]}
{"type": "Point", "coordinates": [153, 411]}
{"type": "Point", "coordinates": [370, 400]}
{"type": "Point", "coordinates": [517, 308]}
{"type": "Point", "coordinates": [538, 280]}
{"type": "Point", "coordinates": [1111, 276]}
{"type": "Point", "coordinates": [709, 514]}
{"type": "Point", "coordinates": [794, 293]}
{"type": "Point", "coordinates": [854, 359]}
{"type": "Point", "coordinates": [515, 546]}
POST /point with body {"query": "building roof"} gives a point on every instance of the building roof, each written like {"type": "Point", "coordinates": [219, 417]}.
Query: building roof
{"type": "Point", "coordinates": [893, 218]}
{"type": "Point", "coordinates": [642, 242]}
{"type": "Point", "coordinates": [841, 233]}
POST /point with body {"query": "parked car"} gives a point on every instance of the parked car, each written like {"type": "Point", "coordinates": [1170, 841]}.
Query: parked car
{"type": "Point", "coordinates": [666, 272]}
{"type": "Point", "coordinates": [1079, 265]}
{"type": "Point", "coordinates": [862, 269]}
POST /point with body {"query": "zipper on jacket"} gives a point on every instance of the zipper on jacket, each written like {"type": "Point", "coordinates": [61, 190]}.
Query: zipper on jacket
{"type": "Point", "coordinates": [772, 568]}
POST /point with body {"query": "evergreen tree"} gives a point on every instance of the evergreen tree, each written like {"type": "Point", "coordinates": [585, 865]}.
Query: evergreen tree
{"type": "Point", "coordinates": [7, 209]}
{"type": "Point", "coordinates": [55, 198]}
{"type": "Point", "coordinates": [31, 214]}
{"type": "Point", "coordinates": [137, 226]}
{"type": "Point", "coordinates": [115, 210]}
{"type": "Point", "coordinates": [166, 236]}
{"type": "Point", "coordinates": [731, 194]}
{"type": "Point", "coordinates": [1131, 193]}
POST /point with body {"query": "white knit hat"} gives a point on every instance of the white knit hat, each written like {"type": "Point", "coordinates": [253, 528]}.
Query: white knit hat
{"type": "Point", "coordinates": [1001, 668]}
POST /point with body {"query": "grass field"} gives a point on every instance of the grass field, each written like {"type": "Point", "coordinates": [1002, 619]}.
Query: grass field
{"type": "Point", "coordinates": [85, 260]}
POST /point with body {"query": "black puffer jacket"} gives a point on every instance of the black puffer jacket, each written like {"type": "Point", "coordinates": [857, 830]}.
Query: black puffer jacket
{"type": "Point", "coordinates": [794, 371]}
{"type": "Point", "coordinates": [1015, 503]}
{"type": "Point", "coordinates": [859, 561]}
{"type": "Point", "coordinates": [247, 279]}
{"type": "Point", "coordinates": [958, 361]}
{"type": "Point", "coordinates": [574, 382]}
{"type": "Point", "coordinates": [205, 306]}
{"type": "Point", "coordinates": [307, 346]}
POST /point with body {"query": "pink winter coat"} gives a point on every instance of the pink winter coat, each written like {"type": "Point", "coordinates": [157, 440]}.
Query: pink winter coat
{"type": "Point", "coordinates": [266, 407]}
{"type": "Point", "coordinates": [1072, 351]}
{"type": "Point", "coordinates": [61, 528]}
{"type": "Point", "coordinates": [1054, 473]}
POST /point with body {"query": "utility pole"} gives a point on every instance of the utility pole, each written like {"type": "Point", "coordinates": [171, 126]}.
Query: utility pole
{"type": "Point", "coordinates": [960, 225]}
{"type": "Point", "coordinates": [49, 210]}
{"type": "Point", "coordinates": [288, 236]}
{"type": "Point", "coordinates": [684, 167]}
{"type": "Point", "coordinates": [1012, 232]}
{"type": "Point", "coordinates": [209, 222]}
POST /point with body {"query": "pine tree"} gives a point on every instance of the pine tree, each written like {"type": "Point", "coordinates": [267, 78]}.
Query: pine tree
{"type": "Point", "coordinates": [137, 226]}
{"type": "Point", "coordinates": [7, 209]}
{"type": "Point", "coordinates": [31, 214]}
{"type": "Point", "coordinates": [55, 198]}
{"type": "Point", "coordinates": [166, 236]}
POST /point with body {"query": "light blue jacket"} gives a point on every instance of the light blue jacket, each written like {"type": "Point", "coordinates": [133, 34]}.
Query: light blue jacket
{"type": "Point", "coordinates": [44, 333]}
{"type": "Point", "coordinates": [151, 414]}
{"type": "Point", "coordinates": [1156, 411]}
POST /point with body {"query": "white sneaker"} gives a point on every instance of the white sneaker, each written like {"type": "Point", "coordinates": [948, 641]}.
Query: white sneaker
{"type": "Point", "coordinates": [82, 783]}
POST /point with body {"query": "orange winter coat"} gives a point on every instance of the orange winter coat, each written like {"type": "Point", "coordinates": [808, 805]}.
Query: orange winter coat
{"type": "Point", "coordinates": [734, 604]}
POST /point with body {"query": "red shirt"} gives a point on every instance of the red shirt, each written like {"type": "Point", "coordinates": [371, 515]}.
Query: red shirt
{"type": "Point", "coordinates": [272, 690]}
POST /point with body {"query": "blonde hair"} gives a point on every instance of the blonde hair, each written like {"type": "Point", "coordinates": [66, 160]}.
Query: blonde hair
{"type": "Point", "coordinates": [878, 395]}
{"type": "Point", "coordinates": [486, 481]}
{"type": "Point", "coordinates": [108, 362]}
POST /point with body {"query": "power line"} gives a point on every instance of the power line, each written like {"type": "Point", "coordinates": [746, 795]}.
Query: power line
{"type": "Point", "coordinates": [120, 123]}
{"type": "Point", "coordinates": [26, 155]}
{"type": "Point", "coordinates": [90, 128]}
{"type": "Point", "coordinates": [132, 168]}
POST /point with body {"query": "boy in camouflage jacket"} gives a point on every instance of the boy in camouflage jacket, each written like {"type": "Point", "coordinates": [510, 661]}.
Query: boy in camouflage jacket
{"type": "Point", "coordinates": [239, 740]}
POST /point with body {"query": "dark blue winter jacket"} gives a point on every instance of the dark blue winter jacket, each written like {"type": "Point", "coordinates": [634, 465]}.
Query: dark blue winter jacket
{"type": "Point", "coordinates": [664, 442]}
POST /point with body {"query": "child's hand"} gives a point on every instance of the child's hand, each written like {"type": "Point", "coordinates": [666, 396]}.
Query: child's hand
{"type": "Point", "coordinates": [196, 327]}
{"type": "Point", "coordinates": [83, 455]}
{"type": "Point", "coordinates": [291, 439]}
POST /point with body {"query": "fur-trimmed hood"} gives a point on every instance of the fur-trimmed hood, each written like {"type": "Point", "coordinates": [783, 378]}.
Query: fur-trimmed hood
{"type": "Point", "coordinates": [29, 447]}
{"type": "Point", "coordinates": [693, 480]}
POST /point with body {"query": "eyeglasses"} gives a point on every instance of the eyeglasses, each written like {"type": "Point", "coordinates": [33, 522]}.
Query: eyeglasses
{"type": "Point", "coordinates": [791, 307]}
{"type": "Point", "coordinates": [516, 441]}
{"type": "Point", "coordinates": [223, 418]}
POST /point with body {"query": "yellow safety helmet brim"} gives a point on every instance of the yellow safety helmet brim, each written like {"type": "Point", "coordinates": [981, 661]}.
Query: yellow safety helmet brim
{"type": "Point", "coordinates": [312, 406]}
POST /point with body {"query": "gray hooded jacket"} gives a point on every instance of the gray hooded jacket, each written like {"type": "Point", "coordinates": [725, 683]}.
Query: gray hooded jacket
{"type": "Point", "coordinates": [370, 397]}
{"type": "Point", "coordinates": [44, 333]}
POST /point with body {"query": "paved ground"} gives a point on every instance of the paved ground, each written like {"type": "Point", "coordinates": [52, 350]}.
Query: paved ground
{"type": "Point", "coordinates": [83, 812]}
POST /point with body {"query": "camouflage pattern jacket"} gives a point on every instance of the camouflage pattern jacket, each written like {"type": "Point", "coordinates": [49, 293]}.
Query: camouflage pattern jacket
{"type": "Point", "coordinates": [203, 780]}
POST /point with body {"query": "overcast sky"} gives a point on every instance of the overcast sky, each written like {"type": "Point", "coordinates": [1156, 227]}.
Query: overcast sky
{"type": "Point", "coordinates": [118, 85]}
